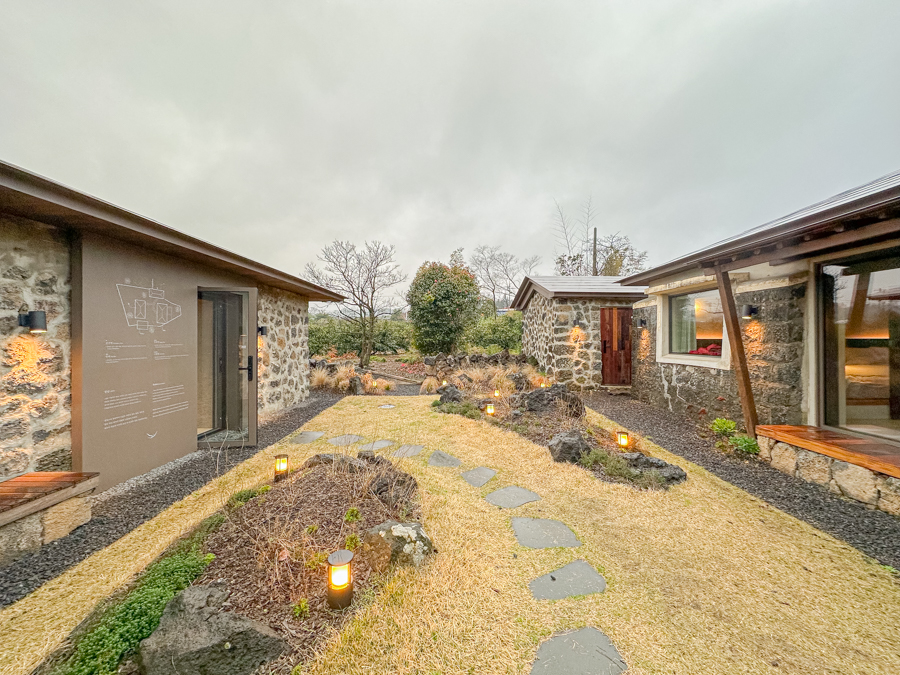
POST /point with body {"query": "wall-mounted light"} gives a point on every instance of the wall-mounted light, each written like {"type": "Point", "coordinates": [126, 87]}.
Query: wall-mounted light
{"type": "Point", "coordinates": [642, 323]}
{"type": "Point", "coordinates": [622, 439]}
{"type": "Point", "coordinates": [340, 579]}
{"type": "Point", "coordinates": [748, 311]}
{"type": "Point", "coordinates": [577, 323]}
{"type": "Point", "coordinates": [262, 330]}
{"type": "Point", "coordinates": [282, 467]}
{"type": "Point", "coordinates": [36, 321]}
{"type": "Point", "coordinates": [489, 409]}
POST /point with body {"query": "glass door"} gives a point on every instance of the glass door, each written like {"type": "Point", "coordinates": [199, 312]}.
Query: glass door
{"type": "Point", "coordinates": [226, 367]}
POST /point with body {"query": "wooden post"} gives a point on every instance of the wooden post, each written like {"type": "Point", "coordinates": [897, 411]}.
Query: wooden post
{"type": "Point", "coordinates": [738, 356]}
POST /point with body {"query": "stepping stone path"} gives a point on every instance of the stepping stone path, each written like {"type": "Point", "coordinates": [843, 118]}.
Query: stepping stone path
{"type": "Point", "coordinates": [576, 578]}
{"type": "Point", "coordinates": [543, 533]}
{"type": "Point", "coordinates": [387, 406]}
{"type": "Point", "coordinates": [511, 497]}
{"type": "Point", "coordinates": [439, 458]}
{"type": "Point", "coordinates": [377, 445]}
{"type": "Point", "coordinates": [478, 477]}
{"type": "Point", "coordinates": [586, 651]}
{"type": "Point", "coordinates": [307, 437]}
{"type": "Point", "coordinates": [346, 439]}
{"type": "Point", "coordinates": [408, 450]}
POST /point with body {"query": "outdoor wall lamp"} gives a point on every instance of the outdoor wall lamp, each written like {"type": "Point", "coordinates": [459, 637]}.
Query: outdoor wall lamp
{"type": "Point", "coordinates": [642, 323]}
{"type": "Point", "coordinates": [489, 409]}
{"type": "Point", "coordinates": [340, 579]}
{"type": "Point", "coordinates": [262, 330]}
{"type": "Point", "coordinates": [577, 323]}
{"type": "Point", "coordinates": [35, 321]}
{"type": "Point", "coordinates": [748, 311]}
{"type": "Point", "coordinates": [622, 439]}
{"type": "Point", "coordinates": [282, 467]}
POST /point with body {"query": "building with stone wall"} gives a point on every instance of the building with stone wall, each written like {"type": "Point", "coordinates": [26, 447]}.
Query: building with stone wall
{"type": "Point", "coordinates": [154, 340]}
{"type": "Point", "coordinates": [791, 329]}
{"type": "Point", "coordinates": [578, 328]}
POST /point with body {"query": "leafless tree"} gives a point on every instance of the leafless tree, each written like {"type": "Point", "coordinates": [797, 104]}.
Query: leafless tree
{"type": "Point", "coordinates": [500, 273]}
{"type": "Point", "coordinates": [364, 276]}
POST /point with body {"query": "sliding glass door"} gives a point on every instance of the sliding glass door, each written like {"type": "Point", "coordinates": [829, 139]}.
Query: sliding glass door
{"type": "Point", "coordinates": [226, 366]}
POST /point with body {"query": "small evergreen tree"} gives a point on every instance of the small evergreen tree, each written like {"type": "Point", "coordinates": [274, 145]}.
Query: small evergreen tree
{"type": "Point", "coordinates": [442, 301]}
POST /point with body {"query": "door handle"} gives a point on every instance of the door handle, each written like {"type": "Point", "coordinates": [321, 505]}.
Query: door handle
{"type": "Point", "coordinates": [249, 368]}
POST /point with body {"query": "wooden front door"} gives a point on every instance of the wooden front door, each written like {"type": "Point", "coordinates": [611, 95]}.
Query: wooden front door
{"type": "Point", "coordinates": [615, 345]}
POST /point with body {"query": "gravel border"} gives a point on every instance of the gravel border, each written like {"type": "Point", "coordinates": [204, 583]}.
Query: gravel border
{"type": "Point", "coordinates": [119, 510]}
{"type": "Point", "coordinates": [875, 533]}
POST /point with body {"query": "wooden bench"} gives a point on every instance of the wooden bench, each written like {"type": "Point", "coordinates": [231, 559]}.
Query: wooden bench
{"type": "Point", "coordinates": [37, 508]}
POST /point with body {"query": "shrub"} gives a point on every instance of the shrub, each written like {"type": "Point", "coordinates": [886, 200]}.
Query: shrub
{"type": "Point", "coordinates": [352, 515]}
{"type": "Point", "coordinates": [466, 409]}
{"type": "Point", "coordinates": [442, 301]}
{"type": "Point", "coordinates": [496, 333]}
{"type": "Point", "coordinates": [723, 428]}
{"type": "Point", "coordinates": [312, 529]}
{"type": "Point", "coordinates": [339, 336]}
{"type": "Point", "coordinates": [745, 444]}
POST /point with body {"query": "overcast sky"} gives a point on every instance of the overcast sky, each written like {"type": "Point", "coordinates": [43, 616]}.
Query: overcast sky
{"type": "Point", "coordinates": [272, 128]}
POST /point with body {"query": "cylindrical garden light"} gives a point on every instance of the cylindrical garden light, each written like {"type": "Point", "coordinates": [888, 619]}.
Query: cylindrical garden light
{"type": "Point", "coordinates": [489, 408]}
{"type": "Point", "coordinates": [282, 467]}
{"type": "Point", "coordinates": [496, 393]}
{"type": "Point", "coordinates": [622, 438]}
{"type": "Point", "coordinates": [340, 579]}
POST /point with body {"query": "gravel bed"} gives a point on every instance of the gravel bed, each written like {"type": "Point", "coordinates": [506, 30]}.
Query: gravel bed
{"type": "Point", "coordinates": [875, 533]}
{"type": "Point", "coordinates": [119, 510]}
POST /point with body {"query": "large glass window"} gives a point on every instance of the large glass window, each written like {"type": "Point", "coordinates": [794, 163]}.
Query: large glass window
{"type": "Point", "coordinates": [695, 324]}
{"type": "Point", "coordinates": [861, 351]}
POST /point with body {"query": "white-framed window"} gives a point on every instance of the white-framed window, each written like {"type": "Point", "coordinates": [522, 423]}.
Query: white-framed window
{"type": "Point", "coordinates": [691, 330]}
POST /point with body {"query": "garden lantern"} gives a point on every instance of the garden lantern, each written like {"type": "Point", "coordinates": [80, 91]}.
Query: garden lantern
{"type": "Point", "coordinates": [281, 467]}
{"type": "Point", "coordinates": [489, 409]}
{"type": "Point", "coordinates": [496, 393]}
{"type": "Point", "coordinates": [444, 383]}
{"type": "Point", "coordinates": [622, 437]}
{"type": "Point", "coordinates": [340, 579]}
{"type": "Point", "coordinates": [543, 385]}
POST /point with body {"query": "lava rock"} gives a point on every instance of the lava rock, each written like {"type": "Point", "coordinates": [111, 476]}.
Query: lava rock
{"type": "Point", "coordinates": [568, 446]}
{"type": "Point", "coordinates": [450, 394]}
{"type": "Point", "coordinates": [196, 637]}
{"type": "Point", "coordinates": [520, 381]}
{"type": "Point", "coordinates": [670, 472]}
{"type": "Point", "coordinates": [399, 543]}
{"type": "Point", "coordinates": [393, 487]}
{"type": "Point", "coordinates": [428, 360]}
{"type": "Point", "coordinates": [337, 460]}
{"type": "Point", "coordinates": [356, 386]}
{"type": "Point", "coordinates": [545, 400]}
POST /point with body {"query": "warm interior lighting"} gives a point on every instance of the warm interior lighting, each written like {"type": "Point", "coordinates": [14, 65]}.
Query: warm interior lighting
{"type": "Point", "coordinates": [340, 579]}
{"type": "Point", "coordinates": [622, 437]}
{"type": "Point", "coordinates": [490, 409]}
{"type": "Point", "coordinates": [281, 467]}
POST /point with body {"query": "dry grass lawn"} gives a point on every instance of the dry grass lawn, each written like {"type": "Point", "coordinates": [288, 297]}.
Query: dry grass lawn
{"type": "Point", "coordinates": [702, 579]}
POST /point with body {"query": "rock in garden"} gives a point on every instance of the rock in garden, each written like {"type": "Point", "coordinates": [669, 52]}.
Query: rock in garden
{"type": "Point", "coordinates": [568, 446]}
{"type": "Point", "coordinates": [545, 400]}
{"type": "Point", "coordinates": [393, 487]}
{"type": "Point", "coordinates": [337, 460]}
{"type": "Point", "coordinates": [640, 462]}
{"type": "Point", "coordinates": [450, 394]}
{"type": "Point", "coordinates": [356, 386]}
{"type": "Point", "coordinates": [195, 637]}
{"type": "Point", "coordinates": [393, 542]}
{"type": "Point", "coordinates": [428, 360]}
{"type": "Point", "coordinates": [521, 381]}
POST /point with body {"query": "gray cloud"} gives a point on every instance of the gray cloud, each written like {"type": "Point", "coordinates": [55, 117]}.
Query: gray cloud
{"type": "Point", "coordinates": [271, 129]}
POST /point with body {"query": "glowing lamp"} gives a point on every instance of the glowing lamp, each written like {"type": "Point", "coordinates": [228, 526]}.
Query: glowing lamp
{"type": "Point", "coordinates": [35, 322]}
{"type": "Point", "coordinates": [622, 438]}
{"type": "Point", "coordinates": [496, 393]}
{"type": "Point", "coordinates": [262, 330]}
{"type": "Point", "coordinates": [444, 383]}
{"type": "Point", "coordinates": [489, 409]}
{"type": "Point", "coordinates": [543, 385]}
{"type": "Point", "coordinates": [748, 311]}
{"type": "Point", "coordinates": [340, 579]}
{"type": "Point", "coordinates": [281, 467]}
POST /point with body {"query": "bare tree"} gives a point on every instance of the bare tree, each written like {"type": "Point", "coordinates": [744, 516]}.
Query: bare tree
{"type": "Point", "coordinates": [500, 273]}
{"type": "Point", "coordinates": [364, 276]}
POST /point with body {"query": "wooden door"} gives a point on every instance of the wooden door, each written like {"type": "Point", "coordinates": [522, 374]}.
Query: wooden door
{"type": "Point", "coordinates": [615, 345]}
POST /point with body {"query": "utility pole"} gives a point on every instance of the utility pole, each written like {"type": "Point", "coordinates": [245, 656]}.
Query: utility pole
{"type": "Point", "coordinates": [595, 251]}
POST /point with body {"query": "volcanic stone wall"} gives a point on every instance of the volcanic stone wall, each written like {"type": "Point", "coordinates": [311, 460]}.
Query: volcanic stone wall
{"type": "Point", "coordinates": [283, 353]}
{"type": "Point", "coordinates": [773, 342]}
{"type": "Point", "coordinates": [35, 375]}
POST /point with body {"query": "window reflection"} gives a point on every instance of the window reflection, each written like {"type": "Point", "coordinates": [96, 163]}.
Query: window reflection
{"type": "Point", "coordinates": [695, 324]}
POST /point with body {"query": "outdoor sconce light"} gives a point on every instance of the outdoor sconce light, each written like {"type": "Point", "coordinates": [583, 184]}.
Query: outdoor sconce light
{"type": "Point", "coordinates": [340, 579]}
{"type": "Point", "coordinates": [748, 311]}
{"type": "Point", "coordinates": [281, 467]}
{"type": "Point", "coordinates": [262, 330]}
{"type": "Point", "coordinates": [496, 393]}
{"type": "Point", "coordinates": [577, 323]}
{"type": "Point", "coordinates": [36, 321]}
{"type": "Point", "coordinates": [489, 409]}
{"type": "Point", "coordinates": [642, 323]}
{"type": "Point", "coordinates": [622, 438]}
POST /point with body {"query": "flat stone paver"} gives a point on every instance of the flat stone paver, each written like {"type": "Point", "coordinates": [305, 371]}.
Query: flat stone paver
{"type": "Point", "coordinates": [307, 437]}
{"type": "Point", "coordinates": [585, 651]}
{"type": "Point", "coordinates": [439, 458]}
{"type": "Point", "coordinates": [377, 445]}
{"type": "Point", "coordinates": [576, 578]}
{"type": "Point", "coordinates": [478, 477]}
{"type": "Point", "coordinates": [512, 496]}
{"type": "Point", "coordinates": [346, 439]}
{"type": "Point", "coordinates": [387, 406]}
{"type": "Point", "coordinates": [543, 533]}
{"type": "Point", "coordinates": [408, 450]}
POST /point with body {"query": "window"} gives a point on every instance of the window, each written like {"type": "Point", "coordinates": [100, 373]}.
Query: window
{"type": "Point", "coordinates": [695, 324]}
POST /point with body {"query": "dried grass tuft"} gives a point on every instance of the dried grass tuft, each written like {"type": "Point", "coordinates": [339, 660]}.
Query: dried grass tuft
{"type": "Point", "coordinates": [429, 385]}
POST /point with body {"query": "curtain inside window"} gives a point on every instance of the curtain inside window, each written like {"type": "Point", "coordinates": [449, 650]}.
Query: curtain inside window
{"type": "Point", "coordinates": [682, 324]}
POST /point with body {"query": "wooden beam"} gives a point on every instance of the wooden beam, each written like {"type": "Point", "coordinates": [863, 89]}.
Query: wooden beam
{"type": "Point", "coordinates": [738, 356]}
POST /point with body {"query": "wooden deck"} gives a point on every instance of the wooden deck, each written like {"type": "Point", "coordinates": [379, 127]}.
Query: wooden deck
{"type": "Point", "coordinates": [23, 495]}
{"type": "Point", "coordinates": [869, 453]}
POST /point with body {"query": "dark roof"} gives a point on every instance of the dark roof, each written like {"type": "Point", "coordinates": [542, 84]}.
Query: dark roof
{"type": "Point", "coordinates": [876, 196]}
{"type": "Point", "coordinates": [28, 195]}
{"type": "Point", "coordinates": [573, 287]}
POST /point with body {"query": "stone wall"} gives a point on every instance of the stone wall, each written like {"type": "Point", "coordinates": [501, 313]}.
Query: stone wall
{"type": "Point", "coordinates": [773, 342]}
{"type": "Point", "coordinates": [569, 356]}
{"type": "Point", "coordinates": [871, 488]}
{"type": "Point", "coordinates": [284, 353]}
{"type": "Point", "coordinates": [35, 376]}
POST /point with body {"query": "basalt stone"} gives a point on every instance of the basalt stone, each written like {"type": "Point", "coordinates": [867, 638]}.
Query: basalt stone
{"type": "Point", "coordinates": [478, 476]}
{"type": "Point", "coordinates": [442, 459]}
{"type": "Point", "coordinates": [450, 394]}
{"type": "Point", "coordinates": [586, 651]}
{"type": "Point", "coordinates": [346, 439]}
{"type": "Point", "coordinates": [307, 437]}
{"type": "Point", "coordinates": [512, 497]}
{"type": "Point", "coordinates": [392, 487]}
{"type": "Point", "coordinates": [576, 578]}
{"type": "Point", "coordinates": [546, 400]}
{"type": "Point", "coordinates": [568, 446]}
{"type": "Point", "coordinates": [543, 533]}
{"type": "Point", "coordinates": [398, 543]}
{"type": "Point", "coordinates": [407, 450]}
{"type": "Point", "coordinates": [356, 386]}
{"type": "Point", "coordinates": [669, 472]}
{"type": "Point", "coordinates": [377, 445]}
